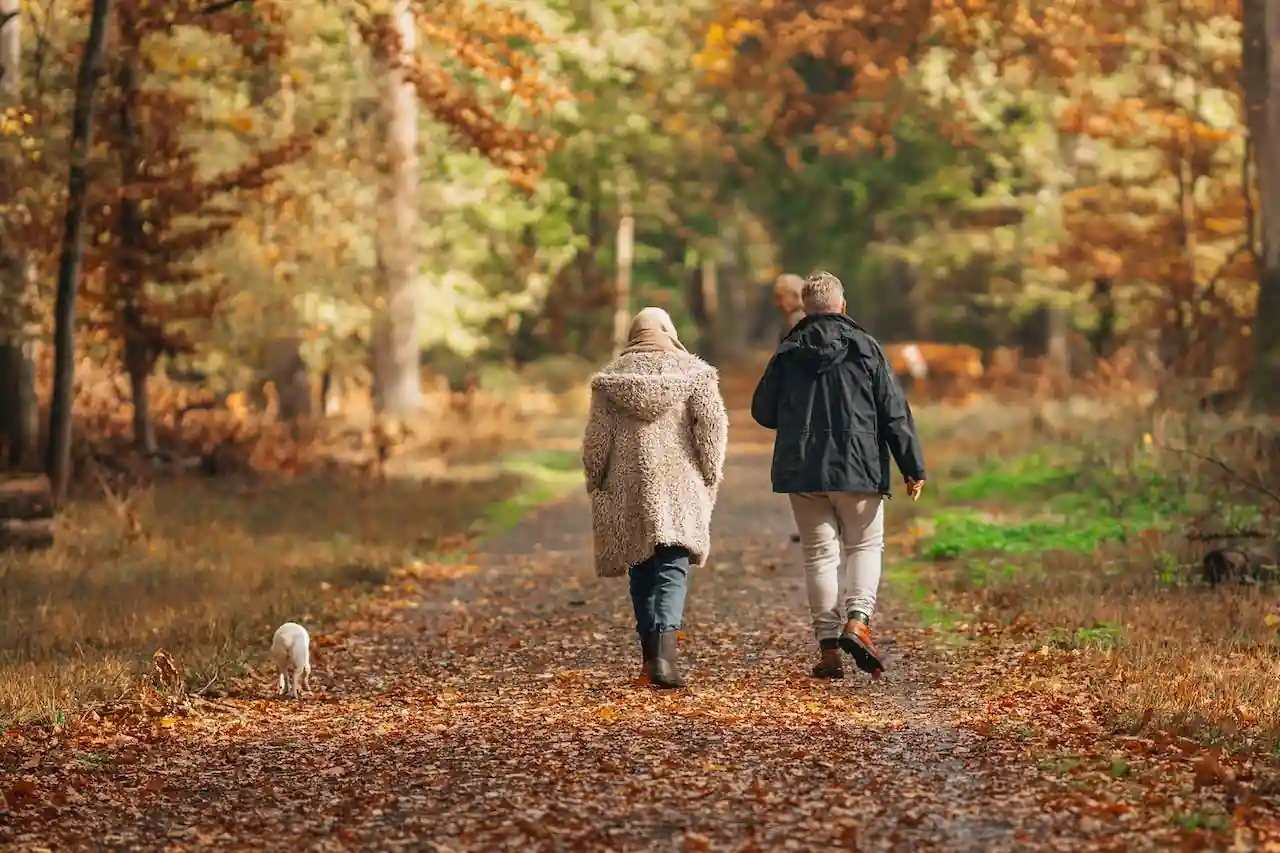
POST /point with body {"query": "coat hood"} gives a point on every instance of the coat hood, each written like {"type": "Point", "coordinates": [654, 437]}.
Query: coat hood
{"type": "Point", "coordinates": [645, 386]}
{"type": "Point", "coordinates": [821, 342]}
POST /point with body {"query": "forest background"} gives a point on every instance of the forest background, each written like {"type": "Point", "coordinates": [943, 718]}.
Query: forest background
{"type": "Point", "coordinates": [264, 200]}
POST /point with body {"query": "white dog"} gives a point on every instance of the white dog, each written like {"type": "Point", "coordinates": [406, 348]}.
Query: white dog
{"type": "Point", "coordinates": [291, 650]}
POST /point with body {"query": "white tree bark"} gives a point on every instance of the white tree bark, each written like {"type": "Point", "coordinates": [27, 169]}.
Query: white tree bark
{"type": "Point", "coordinates": [10, 52]}
{"type": "Point", "coordinates": [397, 387]}
{"type": "Point", "coordinates": [19, 416]}
{"type": "Point", "coordinates": [622, 288]}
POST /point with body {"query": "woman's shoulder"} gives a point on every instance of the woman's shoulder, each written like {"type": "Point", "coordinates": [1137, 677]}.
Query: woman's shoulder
{"type": "Point", "coordinates": [659, 364]}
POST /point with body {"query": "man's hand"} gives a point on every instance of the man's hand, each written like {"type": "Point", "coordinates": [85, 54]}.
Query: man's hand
{"type": "Point", "coordinates": [914, 488]}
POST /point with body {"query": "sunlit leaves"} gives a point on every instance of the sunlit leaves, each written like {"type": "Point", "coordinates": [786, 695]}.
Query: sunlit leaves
{"type": "Point", "coordinates": [493, 44]}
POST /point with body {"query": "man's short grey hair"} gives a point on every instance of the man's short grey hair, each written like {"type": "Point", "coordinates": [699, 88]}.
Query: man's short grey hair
{"type": "Point", "coordinates": [822, 294]}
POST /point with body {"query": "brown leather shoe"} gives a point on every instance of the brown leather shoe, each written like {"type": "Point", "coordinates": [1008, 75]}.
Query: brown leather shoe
{"type": "Point", "coordinates": [856, 641]}
{"type": "Point", "coordinates": [829, 665]}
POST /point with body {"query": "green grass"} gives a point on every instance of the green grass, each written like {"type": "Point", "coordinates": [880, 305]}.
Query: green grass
{"type": "Point", "coordinates": [909, 582]}
{"type": "Point", "coordinates": [547, 474]}
{"type": "Point", "coordinates": [1054, 499]}
{"type": "Point", "coordinates": [1101, 636]}
{"type": "Point", "coordinates": [1022, 478]}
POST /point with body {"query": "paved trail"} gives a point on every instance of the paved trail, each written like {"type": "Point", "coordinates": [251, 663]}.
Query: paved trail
{"type": "Point", "coordinates": [501, 714]}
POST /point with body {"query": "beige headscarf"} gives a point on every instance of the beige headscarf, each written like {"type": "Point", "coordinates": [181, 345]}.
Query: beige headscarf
{"type": "Point", "coordinates": [652, 331]}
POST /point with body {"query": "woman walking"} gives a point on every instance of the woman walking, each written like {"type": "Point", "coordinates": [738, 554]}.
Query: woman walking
{"type": "Point", "coordinates": [654, 456]}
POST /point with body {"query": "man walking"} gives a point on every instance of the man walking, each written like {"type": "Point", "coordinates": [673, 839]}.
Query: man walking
{"type": "Point", "coordinates": [786, 293]}
{"type": "Point", "coordinates": [839, 415]}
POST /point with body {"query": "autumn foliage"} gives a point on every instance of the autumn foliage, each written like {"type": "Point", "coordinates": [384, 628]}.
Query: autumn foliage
{"type": "Point", "coordinates": [154, 207]}
{"type": "Point", "coordinates": [1140, 117]}
{"type": "Point", "coordinates": [490, 43]}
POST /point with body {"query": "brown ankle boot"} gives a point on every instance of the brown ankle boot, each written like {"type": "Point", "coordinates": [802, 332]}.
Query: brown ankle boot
{"type": "Point", "coordinates": [856, 640]}
{"type": "Point", "coordinates": [829, 665]}
{"type": "Point", "coordinates": [666, 663]}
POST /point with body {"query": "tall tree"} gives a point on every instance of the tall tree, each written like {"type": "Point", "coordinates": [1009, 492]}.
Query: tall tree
{"type": "Point", "coordinates": [1260, 76]}
{"type": "Point", "coordinates": [58, 456]}
{"type": "Point", "coordinates": [19, 418]}
{"type": "Point", "coordinates": [163, 210]}
{"type": "Point", "coordinates": [397, 388]}
{"type": "Point", "coordinates": [471, 54]}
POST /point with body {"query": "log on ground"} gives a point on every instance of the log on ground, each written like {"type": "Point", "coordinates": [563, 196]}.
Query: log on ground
{"type": "Point", "coordinates": [26, 498]}
{"type": "Point", "coordinates": [26, 535]}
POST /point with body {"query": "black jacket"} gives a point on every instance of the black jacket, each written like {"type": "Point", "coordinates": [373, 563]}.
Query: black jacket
{"type": "Point", "coordinates": [838, 411]}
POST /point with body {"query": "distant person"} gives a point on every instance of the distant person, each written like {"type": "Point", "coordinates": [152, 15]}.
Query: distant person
{"type": "Point", "coordinates": [786, 293]}
{"type": "Point", "coordinates": [654, 453]}
{"type": "Point", "coordinates": [839, 415]}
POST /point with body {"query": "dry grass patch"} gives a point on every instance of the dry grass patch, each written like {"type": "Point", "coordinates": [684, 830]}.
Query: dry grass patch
{"type": "Point", "coordinates": [215, 568]}
{"type": "Point", "coordinates": [1204, 662]}
{"type": "Point", "coordinates": [206, 568]}
{"type": "Point", "coordinates": [1093, 548]}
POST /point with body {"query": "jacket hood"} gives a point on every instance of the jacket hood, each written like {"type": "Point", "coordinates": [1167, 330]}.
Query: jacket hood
{"type": "Point", "coordinates": [821, 342]}
{"type": "Point", "coordinates": [645, 386]}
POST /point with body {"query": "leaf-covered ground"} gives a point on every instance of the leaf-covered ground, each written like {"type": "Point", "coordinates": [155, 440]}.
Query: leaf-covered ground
{"type": "Point", "coordinates": [500, 712]}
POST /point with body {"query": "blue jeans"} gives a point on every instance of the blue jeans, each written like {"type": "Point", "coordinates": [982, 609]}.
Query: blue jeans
{"type": "Point", "coordinates": [658, 588]}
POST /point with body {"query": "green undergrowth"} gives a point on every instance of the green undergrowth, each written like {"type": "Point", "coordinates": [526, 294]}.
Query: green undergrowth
{"type": "Point", "coordinates": [1054, 499]}
{"type": "Point", "coordinates": [994, 522]}
{"type": "Point", "coordinates": [547, 474]}
{"type": "Point", "coordinates": [909, 581]}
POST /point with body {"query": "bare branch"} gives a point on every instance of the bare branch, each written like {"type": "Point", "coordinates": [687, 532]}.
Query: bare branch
{"type": "Point", "coordinates": [221, 5]}
{"type": "Point", "coordinates": [1252, 483]}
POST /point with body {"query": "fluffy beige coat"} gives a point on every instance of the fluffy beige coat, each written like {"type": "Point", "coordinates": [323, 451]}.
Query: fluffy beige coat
{"type": "Point", "coordinates": [654, 456]}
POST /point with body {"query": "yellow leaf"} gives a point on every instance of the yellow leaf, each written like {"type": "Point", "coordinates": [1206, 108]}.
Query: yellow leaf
{"type": "Point", "coordinates": [606, 714]}
{"type": "Point", "coordinates": [1271, 620]}
{"type": "Point", "coordinates": [168, 722]}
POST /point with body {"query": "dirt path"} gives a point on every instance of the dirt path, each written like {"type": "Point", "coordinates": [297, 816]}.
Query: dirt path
{"type": "Point", "coordinates": [500, 713]}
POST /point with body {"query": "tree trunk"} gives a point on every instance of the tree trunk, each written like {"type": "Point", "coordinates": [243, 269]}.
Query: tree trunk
{"type": "Point", "coordinates": [287, 370]}
{"type": "Point", "coordinates": [10, 50]}
{"type": "Point", "coordinates": [709, 313]}
{"type": "Point", "coordinates": [19, 407]}
{"type": "Point", "coordinates": [1260, 73]}
{"type": "Point", "coordinates": [1064, 178]}
{"type": "Point", "coordinates": [269, 87]}
{"type": "Point", "coordinates": [622, 290]}
{"type": "Point", "coordinates": [58, 455]}
{"type": "Point", "coordinates": [396, 345]}
{"type": "Point", "coordinates": [731, 335]}
{"type": "Point", "coordinates": [1104, 334]}
{"type": "Point", "coordinates": [139, 361]}
{"type": "Point", "coordinates": [919, 306]}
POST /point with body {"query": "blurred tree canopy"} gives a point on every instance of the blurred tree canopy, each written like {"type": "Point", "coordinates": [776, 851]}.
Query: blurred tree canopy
{"type": "Point", "coordinates": [1001, 173]}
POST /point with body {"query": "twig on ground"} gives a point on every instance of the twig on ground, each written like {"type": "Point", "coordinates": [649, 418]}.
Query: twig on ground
{"type": "Point", "coordinates": [1252, 483]}
{"type": "Point", "coordinates": [217, 670]}
{"type": "Point", "coordinates": [1214, 537]}
{"type": "Point", "coordinates": [221, 5]}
